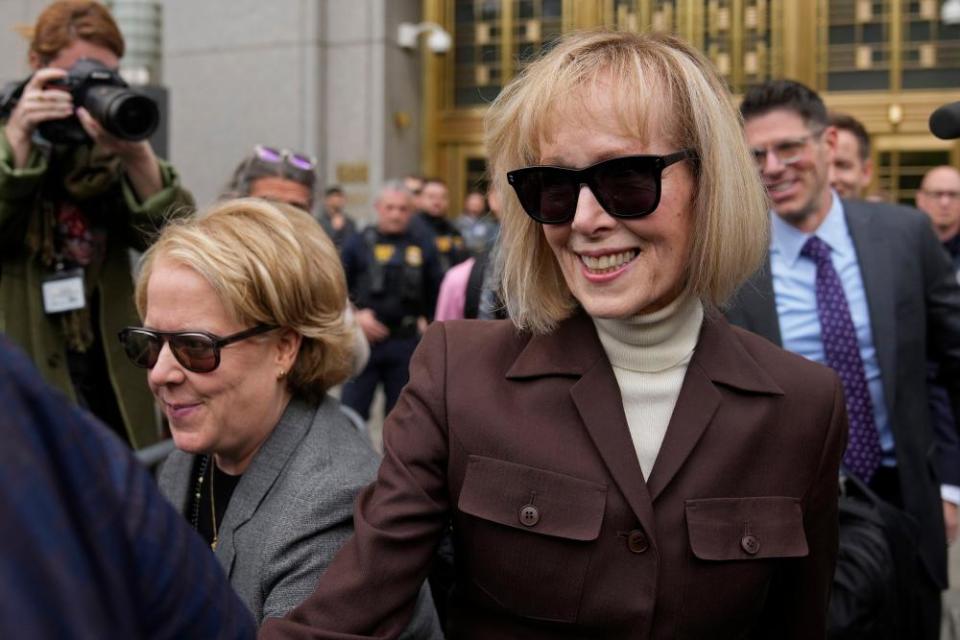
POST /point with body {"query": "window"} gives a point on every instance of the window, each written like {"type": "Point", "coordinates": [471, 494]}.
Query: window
{"type": "Point", "coordinates": [478, 52]}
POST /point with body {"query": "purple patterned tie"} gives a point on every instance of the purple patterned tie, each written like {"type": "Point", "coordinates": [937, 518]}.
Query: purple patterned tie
{"type": "Point", "coordinates": [843, 355]}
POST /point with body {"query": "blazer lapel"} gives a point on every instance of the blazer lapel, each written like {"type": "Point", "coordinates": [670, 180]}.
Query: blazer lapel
{"type": "Point", "coordinates": [174, 478]}
{"type": "Point", "coordinates": [755, 306]}
{"type": "Point", "coordinates": [696, 404]}
{"type": "Point", "coordinates": [574, 349]}
{"type": "Point", "coordinates": [719, 359]}
{"type": "Point", "coordinates": [873, 256]}
{"type": "Point", "coordinates": [597, 398]}
{"type": "Point", "coordinates": [261, 475]}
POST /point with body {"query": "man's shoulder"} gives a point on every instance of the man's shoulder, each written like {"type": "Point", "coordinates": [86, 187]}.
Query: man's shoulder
{"type": "Point", "coordinates": [885, 213]}
{"type": "Point", "coordinates": [420, 225]}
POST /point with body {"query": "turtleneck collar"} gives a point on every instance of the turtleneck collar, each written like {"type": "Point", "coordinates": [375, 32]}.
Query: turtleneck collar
{"type": "Point", "coordinates": [655, 341]}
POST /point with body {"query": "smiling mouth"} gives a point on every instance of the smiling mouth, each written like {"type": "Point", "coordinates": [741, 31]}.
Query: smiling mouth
{"type": "Point", "coordinates": [779, 187]}
{"type": "Point", "coordinates": [180, 406]}
{"type": "Point", "coordinates": [608, 263]}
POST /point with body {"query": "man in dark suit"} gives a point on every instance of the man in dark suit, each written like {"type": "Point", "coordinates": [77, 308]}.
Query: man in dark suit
{"type": "Point", "coordinates": [865, 288]}
{"type": "Point", "coordinates": [939, 198]}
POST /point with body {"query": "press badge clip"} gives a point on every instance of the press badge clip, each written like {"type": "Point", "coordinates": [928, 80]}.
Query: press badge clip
{"type": "Point", "coordinates": [63, 291]}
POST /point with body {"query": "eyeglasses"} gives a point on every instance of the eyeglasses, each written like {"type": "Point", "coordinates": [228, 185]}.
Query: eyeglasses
{"type": "Point", "coordinates": [937, 195]}
{"type": "Point", "coordinates": [197, 351]}
{"type": "Point", "coordinates": [627, 187]}
{"type": "Point", "coordinates": [787, 151]}
{"type": "Point", "coordinates": [278, 156]}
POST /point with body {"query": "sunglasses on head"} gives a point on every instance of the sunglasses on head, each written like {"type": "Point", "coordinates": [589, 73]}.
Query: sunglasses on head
{"type": "Point", "coordinates": [627, 187]}
{"type": "Point", "coordinates": [278, 156]}
{"type": "Point", "coordinates": [197, 351]}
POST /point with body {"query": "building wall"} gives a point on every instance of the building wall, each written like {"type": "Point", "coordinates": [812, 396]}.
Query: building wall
{"type": "Point", "coordinates": [307, 75]}
{"type": "Point", "coordinates": [13, 47]}
{"type": "Point", "coordinates": [324, 77]}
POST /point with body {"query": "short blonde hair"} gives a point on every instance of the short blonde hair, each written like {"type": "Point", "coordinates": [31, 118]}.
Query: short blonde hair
{"type": "Point", "coordinates": [271, 264]}
{"type": "Point", "coordinates": [647, 74]}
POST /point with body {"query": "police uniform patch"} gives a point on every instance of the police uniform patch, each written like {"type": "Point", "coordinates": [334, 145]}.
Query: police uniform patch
{"type": "Point", "coordinates": [383, 252]}
{"type": "Point", "coordinates": [414, 256]}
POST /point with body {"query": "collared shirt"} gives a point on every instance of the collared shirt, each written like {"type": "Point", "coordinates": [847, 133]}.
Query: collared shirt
{"type": "Point", "coordinates": [794, 282]}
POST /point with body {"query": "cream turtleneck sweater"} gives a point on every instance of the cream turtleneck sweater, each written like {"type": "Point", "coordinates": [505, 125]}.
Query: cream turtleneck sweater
{"type": "Point", "coordinates": [649, 354]}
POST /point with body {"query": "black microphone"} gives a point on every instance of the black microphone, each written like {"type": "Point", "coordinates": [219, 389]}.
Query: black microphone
{"type": "Point", "coordinates": [945, 121]}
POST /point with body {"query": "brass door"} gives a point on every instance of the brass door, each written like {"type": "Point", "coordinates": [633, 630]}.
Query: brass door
{"type": "Point", "coordinates": [900, 163]}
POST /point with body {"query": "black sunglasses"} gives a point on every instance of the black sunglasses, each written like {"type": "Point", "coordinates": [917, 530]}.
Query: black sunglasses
{"type": "Point", "coordinates": [197, 351]}
{"type": "Point", "coordinates": [627, 187]}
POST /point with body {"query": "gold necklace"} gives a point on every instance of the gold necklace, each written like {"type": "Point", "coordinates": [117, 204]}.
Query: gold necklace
{"type": "Point", "coordinates": [213, 505]}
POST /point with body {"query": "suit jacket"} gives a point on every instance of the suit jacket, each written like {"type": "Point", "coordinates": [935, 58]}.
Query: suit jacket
{"type": "Point", "coordinates": [522, 443]}
{"type": "Point", "coordinates": [914, 303]}
{"type": "Point", "coordinates": [292, 509]}
{"type": "Point", "coordinates": [90, 548]}
{"type": "Point", "coordinates": [944, 422]}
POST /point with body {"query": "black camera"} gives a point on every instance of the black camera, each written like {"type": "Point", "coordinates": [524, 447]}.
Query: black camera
{"type": "Point", "coordinates": [123, 112]}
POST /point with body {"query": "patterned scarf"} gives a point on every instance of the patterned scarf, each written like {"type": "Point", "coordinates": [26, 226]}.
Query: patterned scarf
{"type": "Point", "coordinates": [79, 176]}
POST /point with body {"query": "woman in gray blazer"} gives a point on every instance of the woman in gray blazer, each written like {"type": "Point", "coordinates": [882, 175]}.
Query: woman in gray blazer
{"type": "Point", "coordinates": [244, 333]}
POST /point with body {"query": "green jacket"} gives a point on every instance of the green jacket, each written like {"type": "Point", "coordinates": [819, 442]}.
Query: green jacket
{"type": "Point", "coordinates": [22, 316]}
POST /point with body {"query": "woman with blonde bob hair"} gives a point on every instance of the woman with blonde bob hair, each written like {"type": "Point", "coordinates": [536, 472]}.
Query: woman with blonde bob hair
{"type": "Point", "coordinates": [616, 461]}
{"type": "Point", "coordinates": [243, 335]}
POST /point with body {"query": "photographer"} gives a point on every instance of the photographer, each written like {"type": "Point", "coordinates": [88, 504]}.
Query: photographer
{"type": "Point", "coordinates": [71, 206]}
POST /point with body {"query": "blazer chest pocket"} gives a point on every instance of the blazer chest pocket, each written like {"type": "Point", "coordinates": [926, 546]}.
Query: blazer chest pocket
{"type": "Point", "coordinates": [527, 540]}
{"type": "Point", "coordinates": [746, 528]}
{"type": "Point", "coordinates": [737, 546]}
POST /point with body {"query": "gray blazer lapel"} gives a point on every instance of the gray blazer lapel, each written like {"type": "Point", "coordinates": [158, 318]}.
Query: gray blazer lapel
{"type": "Point", "coordinates": [262, 473]}
{"type": "Point", "coordinates": [174, 479]}
{"type": "Point", "coordinates": [874, 254]}
{"type": "Point", "coordinates": [755, 306]}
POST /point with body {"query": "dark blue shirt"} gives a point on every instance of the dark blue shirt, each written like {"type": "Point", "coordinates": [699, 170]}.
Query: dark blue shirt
{"type": "Point", "coordinates": [446, 238]}
{"type": "Point", "coordinates": [89, 547]}
{"type": "Point", "coordinates": [944, 423]}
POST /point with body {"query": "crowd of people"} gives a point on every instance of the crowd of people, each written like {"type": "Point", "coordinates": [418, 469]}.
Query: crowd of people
{"type": "Point", "coordinates": [638, 389]}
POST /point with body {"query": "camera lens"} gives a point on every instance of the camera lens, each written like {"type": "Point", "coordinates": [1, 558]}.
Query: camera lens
{"type": "Point", "coordinates": [124, 113]}
{"type": "Point", "coordinates": [135, 117]}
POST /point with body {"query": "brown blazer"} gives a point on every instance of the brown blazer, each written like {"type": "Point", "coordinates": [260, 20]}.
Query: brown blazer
{"type": "Point", "coordinates": [522, 443]}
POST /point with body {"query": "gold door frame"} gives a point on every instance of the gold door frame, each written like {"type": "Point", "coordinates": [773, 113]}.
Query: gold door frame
{"type": "Point", "coordinates": [891, 117]}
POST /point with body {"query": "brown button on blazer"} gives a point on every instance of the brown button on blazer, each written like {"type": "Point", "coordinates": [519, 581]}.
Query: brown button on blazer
{"type": "Point", "coordinates": [521, 442]}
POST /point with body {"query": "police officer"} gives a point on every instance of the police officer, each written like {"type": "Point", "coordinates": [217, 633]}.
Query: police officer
{"type": "Point", "coordinates": [393, 276]}
{"type": "Point", "coordinates": [431, 222]}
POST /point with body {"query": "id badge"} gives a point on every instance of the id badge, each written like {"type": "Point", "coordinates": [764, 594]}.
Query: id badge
{"type": "Point", "coordinates": [63, 291]}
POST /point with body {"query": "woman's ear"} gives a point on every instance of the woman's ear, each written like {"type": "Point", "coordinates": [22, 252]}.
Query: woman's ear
{"type": "Point", "coordinates": [288, 346]}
